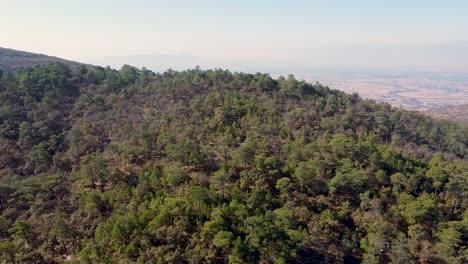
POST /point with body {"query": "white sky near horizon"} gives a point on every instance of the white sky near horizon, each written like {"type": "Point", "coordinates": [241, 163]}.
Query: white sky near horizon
{"type": "Point", "coordinates": [363, 33]}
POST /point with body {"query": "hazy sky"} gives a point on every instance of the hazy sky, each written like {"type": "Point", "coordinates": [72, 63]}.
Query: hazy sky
{"type": "Point", "coordinates": [367, 33]}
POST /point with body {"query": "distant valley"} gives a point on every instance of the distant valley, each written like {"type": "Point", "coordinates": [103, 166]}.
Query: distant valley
{"type": "Point", "coordinates": [458, 113]}
{"type": "Point", "coordinates": [419, 92]}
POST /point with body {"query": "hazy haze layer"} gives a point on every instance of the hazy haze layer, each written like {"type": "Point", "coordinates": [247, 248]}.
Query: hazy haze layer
{"type": "Point", "coordinates": [261, 35]}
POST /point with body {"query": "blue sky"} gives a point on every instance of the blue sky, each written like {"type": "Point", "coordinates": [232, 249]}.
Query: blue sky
{"type": "Point", "coordinates": [395, 34]}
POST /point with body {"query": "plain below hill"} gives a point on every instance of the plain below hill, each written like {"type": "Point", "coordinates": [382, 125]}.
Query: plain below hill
{"type": "Point", "coordinates": [12, 60]}
{"type": "Point", "coordinates": [457, 113]}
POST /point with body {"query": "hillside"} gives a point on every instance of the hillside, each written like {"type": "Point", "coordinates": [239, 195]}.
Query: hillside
{"type": "Point", "coordinates": [154, 62]}
{"type": "Point", "coordinates": [130, 166]}
{"type": "Point", "coordinates": [11, 60]}
{"type": "Point", "coordinates": [456, 113]}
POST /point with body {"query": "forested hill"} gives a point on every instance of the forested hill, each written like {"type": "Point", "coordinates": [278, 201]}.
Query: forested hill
{"type": "Point", "coordinates": [130, 166]}
{"type": "Point", "coordinates": [11, 60]}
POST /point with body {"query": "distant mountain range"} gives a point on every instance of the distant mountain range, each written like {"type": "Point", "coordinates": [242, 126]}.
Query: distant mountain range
{"type": "Point", "coordinates": [11, 60]}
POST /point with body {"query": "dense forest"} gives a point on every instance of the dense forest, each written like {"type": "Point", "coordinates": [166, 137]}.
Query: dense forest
{"type": "Point", "coordinates": [211, 166]}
